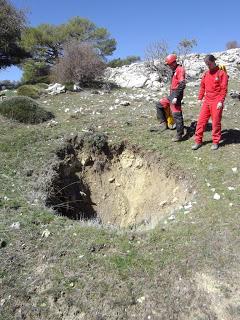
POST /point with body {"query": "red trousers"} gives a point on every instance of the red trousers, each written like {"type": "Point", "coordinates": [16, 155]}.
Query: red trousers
{"type": "Point", "coordinates": [166, 103]}
{"type": "Point", "coordinates": [209, 109]}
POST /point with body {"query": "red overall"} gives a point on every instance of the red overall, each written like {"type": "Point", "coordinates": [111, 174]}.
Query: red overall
{"type": "Point", "coordinates": [214, 89]}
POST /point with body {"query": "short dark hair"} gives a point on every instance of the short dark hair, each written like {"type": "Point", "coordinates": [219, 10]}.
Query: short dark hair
{"type": "Point", "coordinates": [210, 57]}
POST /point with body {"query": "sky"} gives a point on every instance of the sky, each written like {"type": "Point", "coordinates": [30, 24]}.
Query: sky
{"type": "Point", "coordinates": [136, 24]}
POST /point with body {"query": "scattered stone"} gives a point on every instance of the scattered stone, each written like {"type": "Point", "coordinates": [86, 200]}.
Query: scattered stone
{"type": "Point", "coordinates": [234, 94]}
{"type": "Point", "coordinates": [141, 299]}
{"type": "Point", "coordinates": [52, 123]}
{"type": "Point", "coordinates": [125, 103]}
{"type": "Point", "coordinates": [216, 196]}
{"type": "Point", "coordinates": [188, 206]}
{"type": "Point", "coordinates": [111, 179]}
{"type": "Point", "coordinates": [235, 170]}
{"type": "Point", "coordinates": [46, 233]}
{"type": "Point", "coordinates": [2, 301]}
{"type": "Point", "coordinates": [15, 225]}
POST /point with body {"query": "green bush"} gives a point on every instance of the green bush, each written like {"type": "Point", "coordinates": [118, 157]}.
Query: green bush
{"type": "Point", "coordinates": [69, 86]}
{"type": "Point", "coordinates": [24, 109]}
{"type": "Point", "coordinates": [41, 85]}
{"type": "Point", "coordinates": [115, 63]}
{"type": "Point", "coordinates": [31, 91]}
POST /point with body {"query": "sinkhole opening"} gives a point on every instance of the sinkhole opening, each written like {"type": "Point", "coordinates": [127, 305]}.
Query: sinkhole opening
{"type": "Point", "coordinates": [121, 185]}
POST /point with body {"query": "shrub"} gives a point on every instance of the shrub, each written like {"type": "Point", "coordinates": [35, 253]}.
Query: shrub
{"type": "Point", "coordinates": [115, 63]}
{"type": "Point", "coordinates": [29, 91]}
{"type": "Point", "coordinates": [81, 63]}
{"type": "Point", "coordinates": [155, 55]}
{"type": "Point", "coordinates": [95, 141]}
{"type": "Point", "coordinates": [24, 109]}
{"type": "Point", "coordinates": [69, 86]}
{"type": "Point", "coordinates": [41, 85]}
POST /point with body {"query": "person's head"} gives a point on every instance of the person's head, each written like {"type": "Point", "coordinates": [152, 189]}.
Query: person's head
{"type": "Point", "coordinates": [210, 61]}
{"type": "Point", "coordinates": [171, 61]}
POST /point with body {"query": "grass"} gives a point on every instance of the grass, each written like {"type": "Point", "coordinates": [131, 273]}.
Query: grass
{"type": "Point", "coordinates": [82, 270]}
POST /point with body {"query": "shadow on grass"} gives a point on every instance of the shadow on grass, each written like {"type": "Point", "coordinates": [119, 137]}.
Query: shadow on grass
{"type": "Point", "coordinates": [190, 130]}
{"type": "Point", "coordinates": [230, 136]}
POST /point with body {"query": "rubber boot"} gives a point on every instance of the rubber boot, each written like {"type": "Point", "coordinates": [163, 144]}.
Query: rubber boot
{"type": "Point", "coordinates": [178, 118]}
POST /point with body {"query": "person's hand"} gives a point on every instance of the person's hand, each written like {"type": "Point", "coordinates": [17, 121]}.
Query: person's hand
{"type": "Point", "coordinates": [174, 100]}
{"type": "Point", "coordinates": [199, 102]}
{"type": "Point", "coordinates": [219, 105]}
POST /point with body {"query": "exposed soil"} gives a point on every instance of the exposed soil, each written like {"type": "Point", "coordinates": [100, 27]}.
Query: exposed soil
{"type": "Point", "coordinates": [120, 186]}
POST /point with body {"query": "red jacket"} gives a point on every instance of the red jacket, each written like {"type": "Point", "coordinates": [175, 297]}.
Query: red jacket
{"type": "Point", "coordinates": [213, 85]}
{"type": "Point", "coordinates": [178, 76]}
{"type": "Point", "coordinates": [177, 83]}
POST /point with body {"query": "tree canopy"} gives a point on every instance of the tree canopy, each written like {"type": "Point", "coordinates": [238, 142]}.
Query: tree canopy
{"type": "Point", "coordinates": [46, 42]}
{"type": "Point", "coordinates": [12, 22]}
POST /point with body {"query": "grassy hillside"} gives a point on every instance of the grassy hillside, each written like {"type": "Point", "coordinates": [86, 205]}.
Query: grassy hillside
{"type": "Point", "coordinates": [186, 267]}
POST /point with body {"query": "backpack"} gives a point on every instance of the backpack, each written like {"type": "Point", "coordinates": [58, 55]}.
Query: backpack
{"type": "Point", "coordinates": [222, 67]}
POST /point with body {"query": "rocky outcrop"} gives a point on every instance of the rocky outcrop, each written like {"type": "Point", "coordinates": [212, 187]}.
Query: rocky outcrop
{"type": "Point", "coordinates": [137, 75]}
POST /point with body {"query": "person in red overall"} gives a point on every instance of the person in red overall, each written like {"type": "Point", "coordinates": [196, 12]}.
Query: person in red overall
{"type": "Point", "coordinates": [213, 89]}
{"type": "Point", "coordinates": [175, 98]}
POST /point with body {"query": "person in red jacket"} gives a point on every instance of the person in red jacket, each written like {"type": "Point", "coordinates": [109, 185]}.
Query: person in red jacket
{"type": "Point", "coordinates": [213, 90]}
{"type": "Point", "coordinates": [175, 98]}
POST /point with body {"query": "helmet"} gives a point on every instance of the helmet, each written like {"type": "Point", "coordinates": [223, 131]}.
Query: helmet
{"type": "Point", "coordinates": [170, 59]}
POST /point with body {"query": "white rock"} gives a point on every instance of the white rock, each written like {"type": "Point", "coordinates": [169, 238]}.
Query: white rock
{"type": "Point", "coordinates": [216, 196]}
{"type": "Point", "coordinates": [188, 206]}
{"type": "Point", "coordinates": [15, 225]}
{"type": "Point", "coordinates": [46, 233]}
{"type": "Point", "coordinates": [55, 88]}
{"type": "Point", "coordinates": [141, 299]}
{"type": "Point", "coordinates": [2, 301]}
{"type": "Point", "coordinates": [137, 75]}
